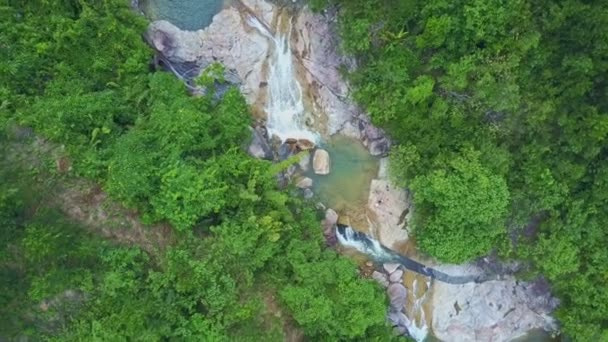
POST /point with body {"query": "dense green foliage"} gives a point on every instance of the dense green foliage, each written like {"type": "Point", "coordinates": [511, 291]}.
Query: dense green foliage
{"type": "Point", "coordinates": [523, 85]}
{"type": "Point", "coordinates": [248, 262]}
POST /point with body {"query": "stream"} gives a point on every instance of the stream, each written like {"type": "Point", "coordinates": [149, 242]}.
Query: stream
{"type": "Point", "coordinates": [297, 103]}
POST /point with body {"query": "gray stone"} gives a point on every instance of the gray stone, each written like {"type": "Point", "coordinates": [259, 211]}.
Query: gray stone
{"type": "Point", "coordinates": [321, 162]}
{"type": "Point", "coordinates": [397, 318]}
{"type": "Point", "coordinates": [396, 276]}
{"type": "Point", "coordinates": [331, 217]}
{"type": "Point", "coordinates": [397, 294]}
{"type": "Point", "coordinates": [304, 183]}
{"type": "Point", "coordinates": [388, 204]}
{"type": "Point", "coordinates": [379, 147]}
{"type": "Point", "coordinates": [308, 194]}
{"type": "Point", "coordinates": [380, 278]}
{"type": "Point", "coordinates": [259, 147]}
{"type": "Point", "coordinates": [373, 133]}
{"type": "Point", "coordinates": [499, 310]}
{"type": "Point", "coordinates": [390, 268]}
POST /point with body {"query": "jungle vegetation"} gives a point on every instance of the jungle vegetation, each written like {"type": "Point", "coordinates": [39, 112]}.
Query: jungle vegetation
{"type": "Point", "coordinates": [499, 113]}
{"type": "Point", "coordinates": [246, 261]}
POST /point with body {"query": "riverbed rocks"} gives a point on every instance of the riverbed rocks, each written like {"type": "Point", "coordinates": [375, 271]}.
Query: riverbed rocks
{"type": "Point", "coordinates": [396, 276]}
{"type": "Point", "coordinates": [321, 162]}
{"type": "Point", "coordinates": [390, 267]}
{"type": "Point", "coordinates": [391, 278]}
{"type": "Point", "coordinates": [381, 278]}
{"type": "Point", "coordinates": [304, 182]}
{"type": "Point", "coordinates": [499, 310]}
{"type": "Point", "coordinates": [329, 226]}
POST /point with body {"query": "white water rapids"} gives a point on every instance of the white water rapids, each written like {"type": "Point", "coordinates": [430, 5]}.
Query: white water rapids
{"type": "Point", "coordinates": [372, 247]}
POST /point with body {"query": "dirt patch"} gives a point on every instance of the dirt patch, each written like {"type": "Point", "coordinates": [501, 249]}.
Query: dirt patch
{"type": "Point", "coordinates": [86, 203]}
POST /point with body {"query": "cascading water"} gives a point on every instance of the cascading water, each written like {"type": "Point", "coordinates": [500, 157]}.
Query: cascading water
{"type": "Point", "coordinates": [285, 107]}
{"type": "Point", "coordinates": [348, 237]}
{"type": "Point", "coordinates": [364, 243]}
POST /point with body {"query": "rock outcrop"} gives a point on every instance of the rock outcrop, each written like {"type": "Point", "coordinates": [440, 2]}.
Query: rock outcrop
{"type": "Point", "coordinates": [498, 310]}
{"type": "Point", "coordinates": [229, 40]}
{"type": "Point", "coordinates": [389, 205]}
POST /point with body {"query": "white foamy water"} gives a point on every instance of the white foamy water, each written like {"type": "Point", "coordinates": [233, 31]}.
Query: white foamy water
{"type": "Point", "coordinates": [419, 331]}
{"type": "Point", "coordinates": [370, 246]}
{"type": "Point", "coordinates": [284, 107]}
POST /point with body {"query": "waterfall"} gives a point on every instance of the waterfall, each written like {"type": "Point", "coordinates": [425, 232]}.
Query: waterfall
{"type": "Point", "coordinates": [284, 107]}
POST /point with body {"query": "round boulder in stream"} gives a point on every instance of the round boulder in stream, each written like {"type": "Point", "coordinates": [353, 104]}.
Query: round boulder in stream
{"type": "Point", "coordinates": [397, 294]}
{"type": "Point", "coordinates": [321, 162]}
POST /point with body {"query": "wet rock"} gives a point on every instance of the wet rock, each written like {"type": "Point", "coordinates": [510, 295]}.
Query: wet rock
{"type": "Point", "coordinates": [259, 147]}
{"type": "Point", "coordinates": [397, 294]}
{"type": "Point", "coordinates": [396, 277]}
{"type": "Point", "coordinates": [263, 10]}
{"type": "Point", "coordinates": [398, 318]}
{"type": "Point", "coordinates": [328, 224]}
{"type": "Point", "coordinates": [380, 278]}
{"type": "Point", "coordinates": [321, 162]}
{"type": "Point", "coordinates": [379, 147]}
{"type": "Point", "coordinates": [304, 183]}
{"type": "Point", "coordinates": [390, 268]}
{"type": "Point", "coordinates": [308, 194]}
{"type": "Point", "coordinates": [331, 217]}
{"type": "Point", "coordinates": [388, 204]}
{"type": "Point", "coordinates": [304, 144]}
{"type": "Point", "coordinates": [285, 151]}
{"type": "Point", "coordinates": [291, 141]}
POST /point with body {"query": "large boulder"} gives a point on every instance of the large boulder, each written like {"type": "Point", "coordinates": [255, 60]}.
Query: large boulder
{"type": "Point", "coordinates": [389, 206]}
{"type": "Point", "coordinates": [321, 162]}
{"type": "Point", "coordinates": [380, 278]}
{"type": "Point", "coordinates": [304, 182]}
{"type": "Point", "coordinates": [396, 277]}
{"type": "Point", "coordinates": [397, 294]}
{"type": "Point", "coordinates": [489, 311]}
{"type": "Point", "coordinates": [390, 268]}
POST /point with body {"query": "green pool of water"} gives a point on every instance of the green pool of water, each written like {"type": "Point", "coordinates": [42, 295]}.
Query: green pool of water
{"type": "Point", "coordinates": [186, 14]}
{"type": "Point", "coordinates": [346, 188]}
